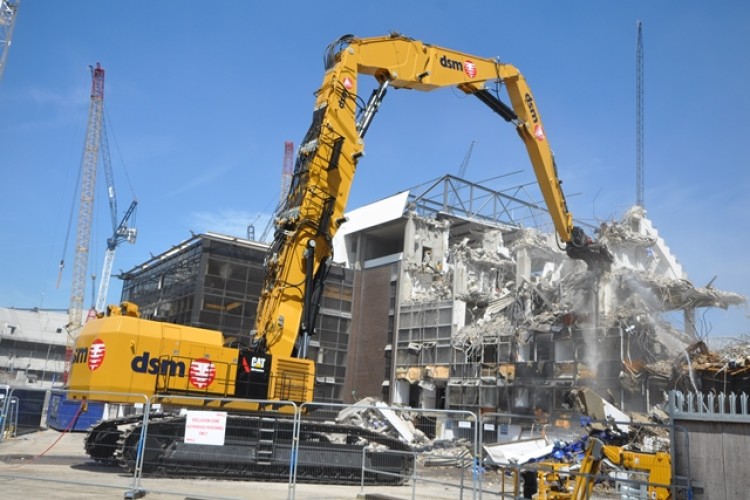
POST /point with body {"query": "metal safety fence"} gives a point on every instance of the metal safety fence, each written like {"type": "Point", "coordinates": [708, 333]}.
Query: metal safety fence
{"type": "Point", "coordinates": [414, 453]}
{"type": "Point", "coordinates": [207, 449]}
{"type": "Point", "coordinates": [196, 447]}
{"type": "Point", "coordinates": [223, 448]}
{"type": "Point", "coordinates": [42, 443]}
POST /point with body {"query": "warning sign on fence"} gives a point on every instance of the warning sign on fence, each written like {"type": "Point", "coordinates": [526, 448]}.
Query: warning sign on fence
{"type": "Point", "coordinates": [205, 427]}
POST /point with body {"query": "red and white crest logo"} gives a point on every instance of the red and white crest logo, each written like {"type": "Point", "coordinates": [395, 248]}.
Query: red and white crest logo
{"type": "Point", "coordinates": [539, 132]}
{"type": "Point", "coordinates": [202, 373]}
{"type": "Point", "coordinates": [348, 83]}
{"type": "Point", "coordinates": [470, 69]}
{"type": "Point", "coordinates": [96, 354]}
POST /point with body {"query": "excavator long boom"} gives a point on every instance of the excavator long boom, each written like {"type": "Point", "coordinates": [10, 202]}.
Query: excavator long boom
{"type": "Point", "coordinates": [176, 363]}
{"type": "Point", "coordinates": [327, 160]}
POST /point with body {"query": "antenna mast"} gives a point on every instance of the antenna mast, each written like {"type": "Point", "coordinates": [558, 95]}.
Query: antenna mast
{"type": "Point", "coordinates": [639, 117]}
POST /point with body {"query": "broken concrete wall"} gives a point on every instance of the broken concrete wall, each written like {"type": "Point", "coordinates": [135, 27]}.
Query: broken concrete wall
{"type": "Point", "coordinates": [537, 322]}
{"type": "Point", "coordinates": [636, 244]}
{"type": "Point", "coordinates": [480, 270]}
{"type": "Point", "coordinates": [424, 261]}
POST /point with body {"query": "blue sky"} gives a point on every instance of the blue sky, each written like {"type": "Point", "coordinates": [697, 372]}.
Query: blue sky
{"type": "Point", "coordinates": [201, 96]}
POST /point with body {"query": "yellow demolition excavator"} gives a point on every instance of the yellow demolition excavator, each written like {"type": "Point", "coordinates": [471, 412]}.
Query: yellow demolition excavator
{"type": "Point", "coordinates": [120, 355]}
{"type": "Point", "coordinates": [554, 485]}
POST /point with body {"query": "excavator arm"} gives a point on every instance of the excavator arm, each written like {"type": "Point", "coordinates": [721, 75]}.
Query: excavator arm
{"type": "Point", "coordinates": [326, 162]}
{"type": "Point", "coordinates": [658, 466]}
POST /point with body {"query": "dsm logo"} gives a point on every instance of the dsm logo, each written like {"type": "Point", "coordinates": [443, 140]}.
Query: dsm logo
{"type": "Point", "coordinates": [93, 356]}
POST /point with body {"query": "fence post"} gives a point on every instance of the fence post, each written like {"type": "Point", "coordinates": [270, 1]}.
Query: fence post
{"type": "Point", "coordinates": [137, 491]}
{"type": "Point", "coordinates": [476, 462]}
{"type": "Point", "coordinates": [414, 479]}
{"type": "Point", "coordinates": [362, 472]}
{"type": "Point", "coordinates": [295, 449]}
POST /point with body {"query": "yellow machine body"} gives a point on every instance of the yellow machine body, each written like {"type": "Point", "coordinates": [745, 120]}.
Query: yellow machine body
{"type": "Point", "coordinates": [121, 358]}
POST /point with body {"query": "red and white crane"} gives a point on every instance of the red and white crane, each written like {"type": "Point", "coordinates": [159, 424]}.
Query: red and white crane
{"type": "Point", "coordinates": [96, 139]}
{"type": "Point", "coordinates": [86, 205]}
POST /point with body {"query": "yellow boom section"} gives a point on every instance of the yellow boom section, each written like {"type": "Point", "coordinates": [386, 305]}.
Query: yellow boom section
{"type": "Point", "coordinates": [327, 158]}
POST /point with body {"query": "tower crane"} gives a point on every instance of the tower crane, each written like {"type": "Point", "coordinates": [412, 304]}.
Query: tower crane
{"type": "Point", "coordinates": [287, 172]}
{"type": "Point", "coordinates": [96, 139]}
{"type": "Point", "coordinates": [120, 232]}
{"type": "Point", "coordinates": [462, 169]}
{"type": "Point", "coordinates": [8, 14]}
{"type": "Point", "coordinates": [85, 210]}
{"type": "Point", "coordinates": [86, 206]}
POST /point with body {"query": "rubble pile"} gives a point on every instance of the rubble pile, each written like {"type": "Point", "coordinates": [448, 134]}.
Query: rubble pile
{"type": "Point", "coordinates": [559, 295]}
{"type": "Point", "coordinates": [698, 369]}
{"type": "Point", "coordinates": [375, 415]}
{"type": "Point", "coordinates": [500, 319]}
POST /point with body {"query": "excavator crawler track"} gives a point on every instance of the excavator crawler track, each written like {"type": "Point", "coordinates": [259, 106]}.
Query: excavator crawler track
{"type": "Point", "coordinates": [102, 439]}
{"type": "Point", "coordinates": [259, 448]}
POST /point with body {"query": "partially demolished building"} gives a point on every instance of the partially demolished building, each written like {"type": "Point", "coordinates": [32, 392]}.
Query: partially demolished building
{"type": "Point", "coordinates": [487, 313]}
{"type": "Point", "coordinates": [452, 296]}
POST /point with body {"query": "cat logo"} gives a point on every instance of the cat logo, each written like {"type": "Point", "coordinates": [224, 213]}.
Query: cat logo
{"type": "Point", "coordinates": [258, 364]}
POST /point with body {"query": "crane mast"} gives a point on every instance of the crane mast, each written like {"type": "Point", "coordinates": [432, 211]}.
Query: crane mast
{"type": "Point", "coordinates": [120, 232]}
{"type": "Point", "coordinates": [85, 208]}
{"type": "Point", "coordinates": [8, 14]}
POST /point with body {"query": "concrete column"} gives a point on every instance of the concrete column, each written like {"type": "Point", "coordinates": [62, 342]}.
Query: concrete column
{"type": "Point", "coordinates": [523, 265]}
{"type": "Point", "coordinates": [689, 317]}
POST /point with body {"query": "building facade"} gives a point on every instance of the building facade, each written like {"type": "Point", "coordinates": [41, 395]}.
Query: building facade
{"type": "Point", "coordinates": [446, 298]}
{"type": "Point", "coordinates": [32, 346]}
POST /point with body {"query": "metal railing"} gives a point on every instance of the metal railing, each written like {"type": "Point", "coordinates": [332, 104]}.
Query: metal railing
{"type": "Point", "coordinates": [710, 406]}
{"type": "Point", "coordinates": [368, 446]}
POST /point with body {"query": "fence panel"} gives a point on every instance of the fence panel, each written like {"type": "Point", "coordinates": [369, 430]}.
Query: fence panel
{"type": "Point", "coordinates": [208, 448]}
{"type": "Point", "coordinates": [400, 452]}
{"type": "Point", "coordinates": [43, 447]}
{"type": "Point", "coordinates": [228, 448]}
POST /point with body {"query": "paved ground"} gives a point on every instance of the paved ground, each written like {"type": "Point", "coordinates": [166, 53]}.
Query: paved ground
{"type": "Point", "coordinates": [51, 465]}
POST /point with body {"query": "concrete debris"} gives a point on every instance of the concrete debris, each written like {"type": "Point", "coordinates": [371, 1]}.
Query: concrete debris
{"type": "Point", "coordinates": [520, 287]}
{"type": "Point", "coordinates": [698, 369]}
{"type": "Point", "coordinates": [375, 415]}
{"type": "Point", "coordinates": [596, 407]}
{"type": "Point", "coordinates": [454, 456]}
{"type": "Point", "coordinates": [515, 322]}
{"type": "Point", "coordinates": [518, 452]}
